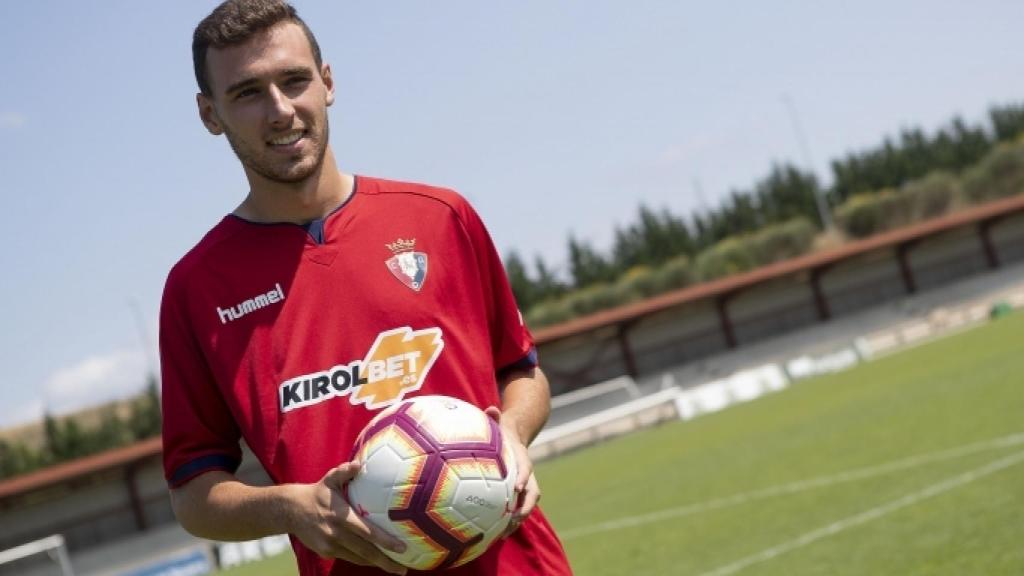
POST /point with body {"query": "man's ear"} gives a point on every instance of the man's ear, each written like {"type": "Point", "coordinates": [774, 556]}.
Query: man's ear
{"type": "Point", "coordinates": [325, 74]}
{"type": "Point", "coordinates": [208, 114]}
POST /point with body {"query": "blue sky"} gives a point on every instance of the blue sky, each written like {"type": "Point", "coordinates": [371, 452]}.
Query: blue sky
{"type": "Point", "coordinates": [552, 117]}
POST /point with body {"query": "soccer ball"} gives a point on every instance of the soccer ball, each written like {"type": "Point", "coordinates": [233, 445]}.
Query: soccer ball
{"type": "Point", "coordinates": [438, 475]}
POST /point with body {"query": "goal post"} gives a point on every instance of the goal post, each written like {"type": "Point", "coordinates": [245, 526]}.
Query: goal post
{"type": "Point", "coordinates": [52, 546]}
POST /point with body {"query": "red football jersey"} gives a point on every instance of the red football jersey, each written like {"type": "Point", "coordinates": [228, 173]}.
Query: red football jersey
{"type": "Point", "coordinates": [293, 337]}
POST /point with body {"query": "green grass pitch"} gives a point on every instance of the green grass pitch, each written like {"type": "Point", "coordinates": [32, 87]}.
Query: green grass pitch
{"type": "Point", "coordinates": [910, 464]}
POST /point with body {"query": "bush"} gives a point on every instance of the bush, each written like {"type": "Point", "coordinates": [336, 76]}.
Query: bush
{"type": "Point", "coordinates": [782, 241]}
{"type": "Point", "coordinates": [998, 175]}
{"type": "Point", "coordinates": [770, 244]}
{"type": "Point", "coordinates": [593, 298]}
{"type": "Point", "coordinates": [866, 214]}
{"type": "Point", "coordinates": [675, 273]}
{"type": "Point", "coordinates": [932, 195]}
{"type": "Point", "coordinates": [547, 313]}
{"type": "Point", "coordinates": [728, 257]}
{"type": "Point", "coordinates": [638, 282]}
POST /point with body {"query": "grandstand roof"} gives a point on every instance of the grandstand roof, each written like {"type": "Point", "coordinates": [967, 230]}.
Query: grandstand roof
{"type": "Point", "coordinates": [116, 458]}
{"type": "Point", "coordinates": [806, 263]}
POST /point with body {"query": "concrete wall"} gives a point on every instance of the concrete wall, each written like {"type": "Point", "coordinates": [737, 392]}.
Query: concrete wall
{"type": "Point", "coordinates": [862, 282]}
{"type": "Point", "coordinates": [662, 339]}
{"type": "Point", "coordinates": [593, 357]}
{"type": "Point", "coordinates": [782, 305]}
{"type": "Point", "coordinates": [1008, 238]}
{"type": "Point", "coordinates": [98, 508]}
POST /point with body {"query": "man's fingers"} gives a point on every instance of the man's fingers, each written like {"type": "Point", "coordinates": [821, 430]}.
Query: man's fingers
{"type": "Point", "coordinates": [373, 555]}
{"type": "Point", "coordinates": [527, 500]}
{"type": "Point", "coordinates": [524, 470]}
{"type": "Point", "coordinates": [370, 532]}
{"type": "Point", "coordinates": [523, 478]}
{"type": "Point", "coordinates": [378, 558]}
{"type": "Point", "coordinates": [350, 556]}
{"type": "Point", "coordinates": [530, 498]}
{"type": "Point", "coordinates": [352, 545]}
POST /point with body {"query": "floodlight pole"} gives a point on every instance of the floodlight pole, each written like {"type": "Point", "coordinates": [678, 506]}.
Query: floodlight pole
{"type": "Point", "coordinates": [823, 211]}
{"type": "Point", "coordinates": [140, 325]}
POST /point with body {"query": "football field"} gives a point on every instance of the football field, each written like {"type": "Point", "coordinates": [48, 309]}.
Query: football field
{"type": "Point", "coordinates": [910, 464]}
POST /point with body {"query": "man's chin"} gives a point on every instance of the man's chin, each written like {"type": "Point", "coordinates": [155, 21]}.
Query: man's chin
{"type": "Point", "coordinates": [291, 175]}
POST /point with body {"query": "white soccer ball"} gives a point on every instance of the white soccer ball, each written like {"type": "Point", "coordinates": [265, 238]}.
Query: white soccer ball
{"type": "Point", "coordinates": [438, 475]}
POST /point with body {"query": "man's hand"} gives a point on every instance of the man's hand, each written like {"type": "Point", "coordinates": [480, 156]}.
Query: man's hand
{"type": "Point", "coordinates": [328, 526]}
{"type": "Point", "coordinates": [527, 491]}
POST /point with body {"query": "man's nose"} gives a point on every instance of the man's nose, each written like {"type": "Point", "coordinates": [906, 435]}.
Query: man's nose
{"type": "Point", "coordinates": [279, 108]}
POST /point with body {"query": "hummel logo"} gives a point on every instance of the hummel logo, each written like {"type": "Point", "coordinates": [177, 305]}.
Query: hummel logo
{"type": "Point", "coordinates": [251, 305]}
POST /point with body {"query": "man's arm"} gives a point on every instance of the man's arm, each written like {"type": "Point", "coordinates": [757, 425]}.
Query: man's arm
{"type": "Point", "coordinates": [216, 505]}
{"type": "Point", "coordinates": [526, 404]}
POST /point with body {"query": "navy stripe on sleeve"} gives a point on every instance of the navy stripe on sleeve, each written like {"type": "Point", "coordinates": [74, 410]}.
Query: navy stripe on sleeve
{"type": "Point", "coordinates": [525, 363]}
{"type": "Point", "coordinates": [193, 468]}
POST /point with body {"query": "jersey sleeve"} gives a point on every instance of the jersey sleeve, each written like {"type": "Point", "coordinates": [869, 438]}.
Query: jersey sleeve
{"type": "Point", "coordinates": [511, 340]}
{"type": "Point", "coordinates": [199, 432]}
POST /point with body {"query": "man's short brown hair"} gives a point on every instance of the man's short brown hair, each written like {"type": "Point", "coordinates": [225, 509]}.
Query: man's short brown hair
{"type": "Point", "coordinates": [236, 21]}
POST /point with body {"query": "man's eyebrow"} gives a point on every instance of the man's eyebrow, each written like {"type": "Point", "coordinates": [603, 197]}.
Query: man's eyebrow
{"type": "Point", "coordinates": [241, 84]}
{"type": "Point", "coordinates": [246, 82]}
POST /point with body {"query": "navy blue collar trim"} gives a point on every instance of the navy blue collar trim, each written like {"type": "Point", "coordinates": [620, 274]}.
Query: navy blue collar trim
{"type": "Point", "coordinates": [315, 228]}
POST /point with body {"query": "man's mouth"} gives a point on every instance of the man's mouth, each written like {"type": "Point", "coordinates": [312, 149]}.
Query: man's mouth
{"type": "Point", "coordinates": [288, 138]}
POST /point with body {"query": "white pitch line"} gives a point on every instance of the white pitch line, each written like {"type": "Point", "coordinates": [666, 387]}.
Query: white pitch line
{"type": "Point", "coordinates": [869, 515]}
{"type": "Point", "coordinates": [793, 487]}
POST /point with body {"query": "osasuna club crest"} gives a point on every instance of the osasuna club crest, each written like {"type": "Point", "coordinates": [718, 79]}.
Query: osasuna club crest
{"type": "Point", "coordinates": [409, 266]}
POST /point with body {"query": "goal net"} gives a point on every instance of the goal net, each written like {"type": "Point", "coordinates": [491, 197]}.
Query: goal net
{"type": "Point", "coordinates": [44, 557]}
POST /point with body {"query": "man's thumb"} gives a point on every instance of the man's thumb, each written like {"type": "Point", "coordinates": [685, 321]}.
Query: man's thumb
{"type": "Point", "coordinates": [339, 476]}
{"type": "Point", "coordinates": [493, 412]}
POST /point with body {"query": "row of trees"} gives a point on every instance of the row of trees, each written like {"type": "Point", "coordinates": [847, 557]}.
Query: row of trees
{"type": "Point", "coordinates": [67, 438]}
{"type": "Point", "coordinates": [914, 154]}
{"type": "Point", "coordinates": [998, 174]}
{"type": "Point", "coordinates": [659, 235]}
{"type": "Point", "coordinates": [787, 193]}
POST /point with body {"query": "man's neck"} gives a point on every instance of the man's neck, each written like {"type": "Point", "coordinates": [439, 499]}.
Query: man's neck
{"type": "Point", "coordinates": [298, 202]}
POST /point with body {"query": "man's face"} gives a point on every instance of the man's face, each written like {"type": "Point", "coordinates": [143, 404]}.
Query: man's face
{"type": "Point", "coordinates": [270, 100]}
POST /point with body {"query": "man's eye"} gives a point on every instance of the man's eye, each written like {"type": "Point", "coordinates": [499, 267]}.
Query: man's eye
{"type": "Point", "coordinates": [245, 92]}
{"type": "Point", "coordinates": [297, 80]}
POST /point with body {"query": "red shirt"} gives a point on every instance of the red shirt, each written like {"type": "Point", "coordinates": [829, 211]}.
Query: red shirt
{"type": "Point", "coordinates": [293, 337]}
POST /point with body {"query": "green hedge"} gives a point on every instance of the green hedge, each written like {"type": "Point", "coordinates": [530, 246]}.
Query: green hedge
{"type": "Point", "coordinates": [866, 214]}
{"type": "Point", "coordinates": [638, 283]}
{"type": "Point", "coordinates": [933, 195]}
{"type": "Point", "coordinates": [746, 252]}
{"type": "Point", "coordinates": [783, 241]}
{"type": "Point", "coordinates": [732, 255]}
{"type": "Point", "coordinates": [998, 175]}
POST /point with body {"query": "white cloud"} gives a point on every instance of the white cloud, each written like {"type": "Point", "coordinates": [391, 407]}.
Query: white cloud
{"type": "Point", "coordinates": [12, 120]}
{"type": "Point", "coordinates": [96, 380]}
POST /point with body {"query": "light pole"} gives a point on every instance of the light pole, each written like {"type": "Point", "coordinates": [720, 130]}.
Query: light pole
{"type": "Point", "coordinates": [823, 211]}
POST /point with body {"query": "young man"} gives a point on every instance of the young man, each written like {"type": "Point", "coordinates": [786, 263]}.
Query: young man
{"type": "Point", "coordinates": [316, 276]}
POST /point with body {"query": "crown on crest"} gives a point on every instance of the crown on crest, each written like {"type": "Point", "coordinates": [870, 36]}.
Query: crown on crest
{"type": "Point", "coordinates": [401, 245]}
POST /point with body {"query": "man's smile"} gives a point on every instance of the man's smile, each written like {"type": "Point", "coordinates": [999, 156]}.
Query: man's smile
{"type": "Point", "coordinates": [288, 138]}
